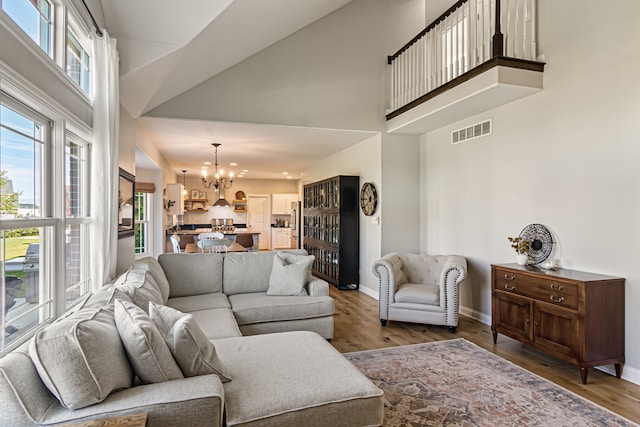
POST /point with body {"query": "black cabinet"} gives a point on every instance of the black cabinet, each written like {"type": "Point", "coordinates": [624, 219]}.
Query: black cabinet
{"type": "Point", "coordinates": [331, 229]}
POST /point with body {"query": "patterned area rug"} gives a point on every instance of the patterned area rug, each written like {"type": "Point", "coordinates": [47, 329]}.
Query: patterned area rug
{"type": "Point", "coordinates": [456, 383]}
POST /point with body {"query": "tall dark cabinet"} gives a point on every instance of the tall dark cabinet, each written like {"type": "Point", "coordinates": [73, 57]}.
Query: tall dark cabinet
{"type": "Point", "coordinates": [331, 229]}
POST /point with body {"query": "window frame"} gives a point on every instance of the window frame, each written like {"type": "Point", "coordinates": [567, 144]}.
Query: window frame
{"type": "Point", "coordinates": [147, 221]}
{"type": "Point", "coordinates": [51, 25]}
{"type": "Point", "coordinates": [16, 90]}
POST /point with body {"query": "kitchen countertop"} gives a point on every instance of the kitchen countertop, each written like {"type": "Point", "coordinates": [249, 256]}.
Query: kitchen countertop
{"type": "Point", "coordinates": [208, 230]}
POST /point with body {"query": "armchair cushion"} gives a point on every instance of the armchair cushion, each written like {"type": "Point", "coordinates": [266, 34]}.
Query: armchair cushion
{"type": "Point", "coordinates": [418, 294]}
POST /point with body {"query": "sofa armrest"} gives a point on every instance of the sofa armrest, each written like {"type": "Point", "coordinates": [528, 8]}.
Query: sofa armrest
{"type": "Point", "coordinates": [388, 270]}
{"type": "Point", "coordinates": [317, 287]}
{"type": "Point", "coordinates": [195, 401]}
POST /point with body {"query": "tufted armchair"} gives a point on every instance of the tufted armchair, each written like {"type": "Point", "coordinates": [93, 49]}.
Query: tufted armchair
{"type": "Point", "coordinates": [420, 288]}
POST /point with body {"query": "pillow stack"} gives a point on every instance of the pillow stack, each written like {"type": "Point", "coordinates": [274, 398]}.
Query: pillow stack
{"type": "Point", "coordinates": [118, 331]}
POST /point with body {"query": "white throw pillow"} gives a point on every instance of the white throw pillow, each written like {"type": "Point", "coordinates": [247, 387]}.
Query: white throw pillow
{"type": "Point", "coordinates": [140, 286]}
{"type": "Point", "coordinates": [148, 352]}
{"type": "Point", "coordinates": [195, 354]}
{"type": "Point", "coordinates": [80, 358]}
{"type": "Point", "coordinates": [289, 277]}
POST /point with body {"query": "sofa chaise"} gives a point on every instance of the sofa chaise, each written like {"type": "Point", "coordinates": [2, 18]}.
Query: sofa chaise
{"type": "Point", "coordinates": [272, 364]}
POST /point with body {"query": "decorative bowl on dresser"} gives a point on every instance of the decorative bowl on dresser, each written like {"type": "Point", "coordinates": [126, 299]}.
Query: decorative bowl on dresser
{"type": "Point", "coordinates": [573, 315]}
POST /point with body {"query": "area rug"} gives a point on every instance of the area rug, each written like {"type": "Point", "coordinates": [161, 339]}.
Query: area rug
{"type": "Point", "coordinates": [457, 383]}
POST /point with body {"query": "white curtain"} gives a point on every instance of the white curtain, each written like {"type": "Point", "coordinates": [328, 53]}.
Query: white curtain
{"type": "Point", "coordinates": [104, 161]}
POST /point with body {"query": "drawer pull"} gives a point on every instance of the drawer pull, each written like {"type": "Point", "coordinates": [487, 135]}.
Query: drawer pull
{"type": "Point", "coordinates": [535, 323]}
{"type": "Point", "coordinates": [557, 300]}
{"type": "Point", "coordinates": [526, 321]}
{"type": "Point", "coordinates": [506, 276]}
{"type": "Point", "coordinates": [512, 288]}
{"type": "Point", "coordinates": [559, 288]}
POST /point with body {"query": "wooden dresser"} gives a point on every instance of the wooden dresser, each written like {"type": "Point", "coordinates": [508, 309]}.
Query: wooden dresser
{"type": "Point", "coordinates": [573, 315]}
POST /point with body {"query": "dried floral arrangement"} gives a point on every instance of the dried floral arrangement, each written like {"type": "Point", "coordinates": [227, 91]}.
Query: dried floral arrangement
{"type": "Point", "coordinates": [521, 245]}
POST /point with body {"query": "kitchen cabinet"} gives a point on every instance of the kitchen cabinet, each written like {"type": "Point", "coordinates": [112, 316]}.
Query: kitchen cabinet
{"type": "Point", "coordinates": [175, 198]}
{"type": "Point", "coordinates": [281, 203]}
{"type": "Point", "coordinates": [331, 229]}
{"type": "Point", "coordinates": [280, 238]}
{"type": "Point", "coordinates": [573, 315]}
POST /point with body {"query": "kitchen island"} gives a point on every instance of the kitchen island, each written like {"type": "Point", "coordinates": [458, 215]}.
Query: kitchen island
{"type": "Point", "coordinates": [242, 236]}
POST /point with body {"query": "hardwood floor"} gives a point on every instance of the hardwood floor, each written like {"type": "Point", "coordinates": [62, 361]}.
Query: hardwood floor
{"type": "Point", "coordinates": [357, 328]}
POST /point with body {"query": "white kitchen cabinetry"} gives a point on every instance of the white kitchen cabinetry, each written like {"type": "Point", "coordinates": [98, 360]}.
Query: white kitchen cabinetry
{"type": "Point", "coordinates": [175, 198]}
{"type": "Point", "coordinates": [281, 203]}
{"type": "Point", "coordinates": [281, 238]}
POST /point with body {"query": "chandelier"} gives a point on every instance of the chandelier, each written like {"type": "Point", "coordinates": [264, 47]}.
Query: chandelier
{"type": "Point", "coordinates": [219, 181]}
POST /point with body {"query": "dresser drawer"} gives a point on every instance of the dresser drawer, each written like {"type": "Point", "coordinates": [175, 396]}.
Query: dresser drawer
{"type": "Point", "coordinates": [541, 288]}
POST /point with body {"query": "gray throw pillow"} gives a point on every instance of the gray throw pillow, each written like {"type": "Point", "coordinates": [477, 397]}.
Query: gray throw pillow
{"type": "Point", "coordinates": [148, 352]}
{"type": "Point", "coordinates": [195, 354]}
{"type": "Point", "coordinates": [140, 286]}
{"type": "Point", "coordinates": [152, 265]}
{"type": "Point", "coordinates": [80, 358]}
{"type": "Point", "coordinates": [288, 279]}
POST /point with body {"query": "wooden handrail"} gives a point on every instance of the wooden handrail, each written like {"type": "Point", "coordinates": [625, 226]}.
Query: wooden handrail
{"type": "Point", "coordinates": [429, 27]}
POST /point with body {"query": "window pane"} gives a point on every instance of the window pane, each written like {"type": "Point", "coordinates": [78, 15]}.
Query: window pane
{"type": "Point", "coordinates": [21, 292]}
{"type": "Point", "coordinates": [77, 274]}
{"type": "Point", "coordinates": [36, 22]}
{"type": "Point", "coordinates": [74, 168]}
{"type": "Point", "coordinates": [140, 223]}
{"type": "Point", "coordinates": [20, 165]}
{"type": "Point", "coordinates": [77, 62]}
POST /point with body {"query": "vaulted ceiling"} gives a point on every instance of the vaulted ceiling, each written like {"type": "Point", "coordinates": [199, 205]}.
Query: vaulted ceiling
{"type": "Point", "coordinates": [168, 47]}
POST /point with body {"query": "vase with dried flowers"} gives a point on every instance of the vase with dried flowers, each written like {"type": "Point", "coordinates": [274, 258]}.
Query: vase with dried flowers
{"type": "Point", "coordinates": [522, 248]}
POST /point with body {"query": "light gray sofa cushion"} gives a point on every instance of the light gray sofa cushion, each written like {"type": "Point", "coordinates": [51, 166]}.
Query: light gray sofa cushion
{"type": "Point", "coordinates": [289, 274]}
{"type": "Point", "coordinates": [217, 323]}
{"type": "Point", "coordinates": [141, 287]}
{"type": "Point", "coordinates": [199, 302]}
{"type": "Point", "coordinates": [260, 307]}
{"type": "Point", "coordinates": [274, 383]}
{"type": "Point", "coordinates": [192, 274]}
{"type": "Point", "coordinates": [80, 358]}
{"type": "Point", "coordinates": [148, 352]}
{"type": "Point", "coordinates": [152, 265]}
{"type": "Point", "coordinates": [247, 272]}
{"type": "Point", "coordinates": [195, 354]}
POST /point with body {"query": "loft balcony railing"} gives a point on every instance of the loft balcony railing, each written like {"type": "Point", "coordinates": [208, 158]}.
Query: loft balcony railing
{"type": "Point", "coordinates": [468, 36]}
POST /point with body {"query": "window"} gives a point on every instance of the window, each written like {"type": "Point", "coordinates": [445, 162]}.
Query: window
{"type": "Point", "coordinates": [78, 63]}
{"type": "Point", "coordinates": [142, 217]}
{"type": "Point", "coordinates": [26, 230]}
{"type": "Point", "coordinates": [45, 212]}
{"type": "Point", "coordinates": [34, 17]}
{"type": "Point", "coordinates": [77, 221]}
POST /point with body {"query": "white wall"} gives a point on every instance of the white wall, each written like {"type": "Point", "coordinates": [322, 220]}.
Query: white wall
{"type": "Point", "coordinates": [566, 158]}
{"type": "Point", "coordinates": [364, 160]}
{"type": "Point", "coordinates": [331, 74]}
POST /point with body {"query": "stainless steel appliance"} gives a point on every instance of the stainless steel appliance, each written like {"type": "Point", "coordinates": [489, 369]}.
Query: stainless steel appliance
{"type": "Point", "coordinates": [296, 225]}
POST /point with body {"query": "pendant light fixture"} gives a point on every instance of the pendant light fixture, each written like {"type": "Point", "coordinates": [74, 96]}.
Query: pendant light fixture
{"type": "Point", "coordinates": [219, 181]}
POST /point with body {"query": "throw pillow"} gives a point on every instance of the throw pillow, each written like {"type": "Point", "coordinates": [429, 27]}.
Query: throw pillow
{"type": "Point", "coordinates": [288, 279]}
{"type": "Point", "coordinates": [104, 298]}
{"type": "Point", "coordinates": [152, 265]}
{"type": "Point", "coordinates": [140, 286]}
{"type": "Point", "coordinates": [195, 354]}
{"type": "Point", "coordinates": [148, 352]}
{"type": "Point", "coordinates": [80, 358]}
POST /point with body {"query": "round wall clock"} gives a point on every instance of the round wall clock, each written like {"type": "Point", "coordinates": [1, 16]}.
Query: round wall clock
{"type": "Point", "coordinates": [368, 198]}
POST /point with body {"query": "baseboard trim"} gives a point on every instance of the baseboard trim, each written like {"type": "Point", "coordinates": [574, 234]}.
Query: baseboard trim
{"type": "Point", "coordinates": [368, 291]}
{"type": "Point", "coordinates": [476, 315]}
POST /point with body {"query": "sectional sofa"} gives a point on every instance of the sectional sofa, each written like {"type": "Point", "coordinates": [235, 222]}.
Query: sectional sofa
{"type": "Point", "coordinates": [257, 323]}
